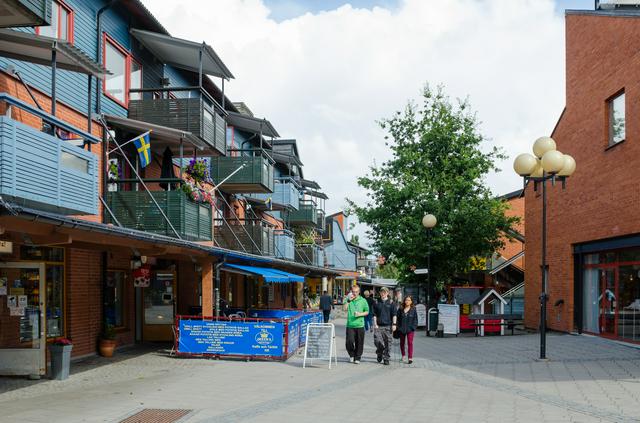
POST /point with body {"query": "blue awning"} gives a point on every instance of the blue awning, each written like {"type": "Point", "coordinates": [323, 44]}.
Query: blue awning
{"type": "Point", "coordinates": [269, 275]}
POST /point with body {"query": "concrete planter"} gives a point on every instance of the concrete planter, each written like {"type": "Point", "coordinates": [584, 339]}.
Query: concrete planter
{"type": "Point", "coordinates": [60, 361]}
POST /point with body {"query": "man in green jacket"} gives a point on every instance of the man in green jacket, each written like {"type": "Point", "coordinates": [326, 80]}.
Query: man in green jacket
{"type": "Point", "coordinates": [357, 310]}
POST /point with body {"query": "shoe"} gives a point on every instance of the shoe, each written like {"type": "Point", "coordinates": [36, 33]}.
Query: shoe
{"type": "Point", "coordinates": [410, 361]}
{"type": "Point", "coordinates": [350, 359]}
{"type": "Point", "coordinates": [356, 362]}
{"type": "Point", "coordinates": [379, 358]}
{"type": "Point", "coordinates": [386, 362]}
{"type": "Point", "coordinates": [403, 359]}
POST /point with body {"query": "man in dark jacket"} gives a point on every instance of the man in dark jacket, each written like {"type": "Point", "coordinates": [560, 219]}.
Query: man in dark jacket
{"type": "Point", "coordinates": [384, 323]}
{"type": "Point", "coordinates": [326, 304]}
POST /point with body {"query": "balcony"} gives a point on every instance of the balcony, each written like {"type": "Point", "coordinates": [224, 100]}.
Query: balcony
{"type": "Point", "coordinates": [306, 215]}
{"type": "Point", "coordinates": [311, 254]}
{"type": "Point", "coordinates": [286, 194]}
{"type": "Point", "coordinates": [44, 172]}
{"type": "Point", "coordinates": [136, 210]}
{"type": "Point", "coordinates": [255, 176]}
{"type": "Point", "coordinates": [194, 115]}
{"type": "Point", "coordinates": [254, 236]}
{"type": "Point", "coordinates": [285, 244]}
{"type": "Point", "coordinates": [365, 262]}
{"type": "Point", "coordinates": [14, 13]}
{"type": "Point", "coordinates": [322, 224]}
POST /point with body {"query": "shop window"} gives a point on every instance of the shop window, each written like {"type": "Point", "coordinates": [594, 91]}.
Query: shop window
{"type": "Point", "coordinates": [55, 300]}
{"type": "Point", "coordinates": [616, 119]}
{"type": "Point", "coordinates": [126, 73]}
{"type": "Point", "coordinates": [41, 253]}
{"type": "Point", "coordinates": [114, 298]}
{"type": "Point", "coordinates": [61, 22]}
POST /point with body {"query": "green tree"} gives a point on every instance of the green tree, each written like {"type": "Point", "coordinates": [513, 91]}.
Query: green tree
{"type": "Point", "coordinates": [437, 167]}
{"type": "Point", "coordinates": [355, 239]}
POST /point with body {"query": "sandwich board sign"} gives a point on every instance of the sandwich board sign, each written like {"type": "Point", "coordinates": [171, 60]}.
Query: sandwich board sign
{"type": "Point", "coordinates": [320, 343]}
{"type": "Point", "coordinates": [449, 316]}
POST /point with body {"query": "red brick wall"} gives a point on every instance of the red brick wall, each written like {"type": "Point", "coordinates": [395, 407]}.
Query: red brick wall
{"type": "Point", "coordinates": [601, 198]}
{"type": "Point", "coordinates": [513, 247]}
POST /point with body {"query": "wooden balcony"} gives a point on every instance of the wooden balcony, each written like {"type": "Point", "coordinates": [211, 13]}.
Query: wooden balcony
{"type": "Point", "coordinates": [311, 254]}
{"type": "Point", "coordinates": [285, 244]}
{"type": "Point", "coordinates": [193, 115]}
{"type": "Point", "coordinates": [306, 215]}
{"type": "Point", "coordinates": [253, 236]}
{"type": "Point", "coordinates": [255, 174]}
{"type": "Point", "coordinates": [44, 172]}
{"type": "Point", "coordinates": [286, 194]}
{"type": "Point", "coordinates": [136, 210]}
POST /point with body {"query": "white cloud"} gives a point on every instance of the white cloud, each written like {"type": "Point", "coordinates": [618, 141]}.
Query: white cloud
{"type": "Point", "coordinates": [325, 78]}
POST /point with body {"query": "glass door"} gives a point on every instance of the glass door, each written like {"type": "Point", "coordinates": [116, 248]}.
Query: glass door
{"type": "Point", "coordinates": [22, 314]}
{"type": "Point", "coordinates": [629, 302]}
{"type": "Point", "coordinates": [608, 302]}
{"type": "Point", "coordinates": [159, 307]}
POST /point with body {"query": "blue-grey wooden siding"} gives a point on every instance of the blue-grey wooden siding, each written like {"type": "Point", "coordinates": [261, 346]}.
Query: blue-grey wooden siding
{"type": "Point", "coordinates": [337, 251]}
{"type": "Point", "coordinates": [41, 8]}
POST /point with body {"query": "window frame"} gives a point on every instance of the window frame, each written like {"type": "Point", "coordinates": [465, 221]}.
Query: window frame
{"type": "Point", "coordinates": [70, 20]}
{"type": "Point", "coordinates": [609, 114]}
{"type": "Point", "coordinates": [128, 59]}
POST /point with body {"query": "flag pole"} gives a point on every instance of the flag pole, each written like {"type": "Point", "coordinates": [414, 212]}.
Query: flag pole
{"type": "Point", "coordinates": [130, 141]}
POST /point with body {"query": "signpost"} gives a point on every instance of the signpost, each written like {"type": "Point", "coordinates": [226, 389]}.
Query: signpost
{"type": "Point", "coordinates": [320, 343]}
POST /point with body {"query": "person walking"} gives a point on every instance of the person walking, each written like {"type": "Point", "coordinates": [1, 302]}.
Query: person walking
{"type": "Point", "coordinates": [368, 320]}
{"type": "Point", "coordinates": [326, 304]}
{"type": "Point", "coordinates": [384, 323]}
{"type": "Point", "coordinates": [357, 310]}
{"type": "Point", "coordinates": [407, 325]}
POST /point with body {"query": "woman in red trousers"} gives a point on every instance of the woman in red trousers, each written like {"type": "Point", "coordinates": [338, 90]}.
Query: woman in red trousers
{"type": "Point", "coordinates": [407, 325]}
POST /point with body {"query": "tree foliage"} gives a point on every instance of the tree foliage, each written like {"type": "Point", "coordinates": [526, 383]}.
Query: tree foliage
{"type": "Point", "coordinates": [437, 167]}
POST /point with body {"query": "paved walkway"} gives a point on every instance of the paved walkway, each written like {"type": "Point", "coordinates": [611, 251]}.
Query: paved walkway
{"type": "Point", "coordinates": [464, 379]}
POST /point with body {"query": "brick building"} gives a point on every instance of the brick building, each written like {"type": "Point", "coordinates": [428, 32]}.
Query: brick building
{"type": "Point", "coordinates": [593, 244]}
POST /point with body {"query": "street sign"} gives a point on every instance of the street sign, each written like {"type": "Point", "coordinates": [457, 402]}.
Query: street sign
{"type": "Point", "coordinates": [421, 271]}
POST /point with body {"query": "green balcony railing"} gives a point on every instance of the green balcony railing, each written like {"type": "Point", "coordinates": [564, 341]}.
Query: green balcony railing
{"type": "Point", "coordinates": [255, 176]}
{"type": "Point", "coordinates": [306, 215]}
{"type": "Point", "coordinates": [311, 254]}
{"type": "Point", "coordinates": [254, 236]}
{"type": "Point", "coordinates": [136, 210]}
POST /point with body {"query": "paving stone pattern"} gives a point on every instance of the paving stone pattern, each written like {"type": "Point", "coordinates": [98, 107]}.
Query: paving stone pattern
{"type": "Point", "coordinates": [463, 379]}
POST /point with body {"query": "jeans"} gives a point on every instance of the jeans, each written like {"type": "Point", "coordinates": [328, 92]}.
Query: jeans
{"type": "Point", "coordinates": [355, 342]}
{"type": "Point", "coordinates": [326, 314]}
{"type": "Point", "coordinates": [409, 338]}
{"type": "Point", "coordinates": [382, 339]}
{"type": "Point", "coordinates": [368, 321]}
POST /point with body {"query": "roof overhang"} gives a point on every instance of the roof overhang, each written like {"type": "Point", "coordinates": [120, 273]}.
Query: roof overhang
{"type": "Point", "coordinates": [161, 135]}
{"type": "Point", "coordinates": [285, 159]}
{"type": "Point", "coordinates": [316, 194]}
{"type": "Point", "coordinates": [183, 54]}
{"type": "Point", "coordinates": [252, 124]}
{"type": "Point", "coordinates": [15, 13]}
{"type": "Point", "coordinates": [38, 48]}
{"type": "Point", "coordinates": [306, 183]}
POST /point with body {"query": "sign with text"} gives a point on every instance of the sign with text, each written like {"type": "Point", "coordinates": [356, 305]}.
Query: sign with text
{"type": "Point", "coordinates": [307, 318]}
{"type": "Point", "coordinates": [449, 316]}
{"type": "Point", "coordinates": [6, 247]}
{"type": "Point", "coordinates": [320, 343]}
{"type": "Point", "coordinates": [421, 311]}
{"type": "Point", "coordinates": [263, 339]}
{"type": "Point", "coordinates": [421, 271]}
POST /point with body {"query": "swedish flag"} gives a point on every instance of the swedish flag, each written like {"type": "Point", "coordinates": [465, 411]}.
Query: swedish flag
{"type": "Point", "coordinates": [143, 145]}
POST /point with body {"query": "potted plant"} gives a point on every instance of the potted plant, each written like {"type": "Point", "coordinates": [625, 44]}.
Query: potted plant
{"type": "Point", "coordinates": [108, 341]}
{"type": "Point", "coordinates": [60, 358]}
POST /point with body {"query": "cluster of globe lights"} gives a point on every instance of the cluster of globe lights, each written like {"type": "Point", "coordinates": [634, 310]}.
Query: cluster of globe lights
{"type": "Point", "coordinates": [546, 160]}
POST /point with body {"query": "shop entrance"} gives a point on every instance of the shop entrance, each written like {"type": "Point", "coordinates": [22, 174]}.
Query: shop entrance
{"type": "Point", "coordinates": [22, 314]}
{"type": "Point", "coordinates": [159, 307]}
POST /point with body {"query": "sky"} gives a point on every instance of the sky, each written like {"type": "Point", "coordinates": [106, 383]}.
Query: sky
{"type": "Point", "coordinates": [325, 71]}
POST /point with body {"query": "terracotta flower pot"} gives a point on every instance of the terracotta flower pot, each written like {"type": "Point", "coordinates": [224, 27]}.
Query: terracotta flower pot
{"type": "Point", "coordinates": [107, 347]}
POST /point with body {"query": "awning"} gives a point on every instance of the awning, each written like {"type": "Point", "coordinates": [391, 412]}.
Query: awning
{"type": "Point", "coordinates": [269, 275]}
{"type": "Point", "coordinates": [285, 158]}
{"type": "Point", "coordinates": [161, 136]}
{"type": "Point", "coordinates": [309, 184]}
{"type": "Point", "coordinates": [252, 124]}
{"type": "Point", "coordinates": [37, 49]}
{"type": "Point", "coordinates": [316, 194]}
{"type": "Point", "coordinates": [183, 54]}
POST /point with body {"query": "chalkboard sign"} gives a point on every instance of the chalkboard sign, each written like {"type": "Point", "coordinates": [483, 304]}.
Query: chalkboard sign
{"type": "Point", "coordinates": [449, 316]}
{"type": "Point", "coordinates": [320, 343]}
{"type": "Point", "coordinates": [421, 311]}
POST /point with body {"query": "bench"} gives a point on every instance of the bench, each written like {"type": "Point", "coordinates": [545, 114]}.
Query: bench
{"type": "Point", "coordinates": [508, 320]}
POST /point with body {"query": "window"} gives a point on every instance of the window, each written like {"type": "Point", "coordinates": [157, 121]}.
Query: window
{"type": "Point", "coordinates": [616, 119]}
{"type": "Point", "coordinates": [126, 73]}
{"type": "Point", "coordinates": [61, 22]}
{"type": "Point", "coordinates": [114, 298]}
{"type": "Point", "coordinates": [70, 161]}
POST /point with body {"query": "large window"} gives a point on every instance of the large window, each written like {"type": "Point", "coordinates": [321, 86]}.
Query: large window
{"type": "Point", "coordinates": [61, 22]}
{"type": "Point", "coordinates": [126, 73]}
{"type": "Point", "coordinates": [114, 298]}
{"type": "Point", "coordinates": [616, 119]}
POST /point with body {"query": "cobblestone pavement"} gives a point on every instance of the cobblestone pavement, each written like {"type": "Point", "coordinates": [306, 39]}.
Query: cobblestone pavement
{"type": "Point", "coordinates": [463, 379]}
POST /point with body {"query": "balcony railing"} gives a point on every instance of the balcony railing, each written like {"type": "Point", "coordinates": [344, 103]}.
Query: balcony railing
{"type": "Point", "coordinates": [365, 262]}
{"type": "Point", "coordinates": [195, 115]}
{"type": "Point", "coordinates": [255, 236]}
{"type": "Point", "coordinates": [255, 176]}
{"type": "Point", "coordinates": [321, 225]}
{"type": "Point", "coordinates": [45, 172]}
{"type": "Point", "coordinates": [285, 244]}
{"type": "Point", "coordinates": [306, 215]}
{"type": "Point", "coordinates": [286, 194]}
{"type": "Point", "coordinates": [136, 210]}
{"type": "Point", "coordinates": [311, 254]}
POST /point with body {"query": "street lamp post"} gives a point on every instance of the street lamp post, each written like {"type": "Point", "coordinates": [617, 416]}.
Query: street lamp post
{"type": "Point", "coordinates": [546, 164]}
{"type": "Point", "coordinates": [429, 221]}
